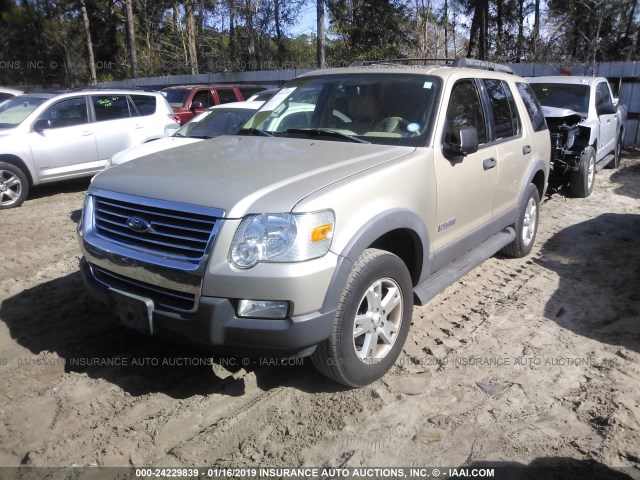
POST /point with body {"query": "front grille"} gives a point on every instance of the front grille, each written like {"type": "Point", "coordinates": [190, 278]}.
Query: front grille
{"type": "Point", "coordinates": [178, 233]}
{"type": "Point", "coordinates": [163, 298]}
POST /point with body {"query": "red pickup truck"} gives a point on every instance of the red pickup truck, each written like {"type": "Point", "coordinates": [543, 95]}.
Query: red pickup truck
{"type": "Point", "coordinates": [189, 100]}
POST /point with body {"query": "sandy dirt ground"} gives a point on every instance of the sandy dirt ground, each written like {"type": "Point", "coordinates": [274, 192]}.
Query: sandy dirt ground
{"type": "Point", "coordinates": [533, 361]}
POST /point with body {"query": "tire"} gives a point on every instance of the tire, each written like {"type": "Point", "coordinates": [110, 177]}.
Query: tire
{"type": "Point", "coordinates": [14, 186]}
{"type": "Point", "coordinates": [617, 152]}
{"type": "Point", "coordinates": [526, 225]}
{"type": "Point", "coordinates": [582, 180]}
{"type": "Point", "coordinates": [366, 340]}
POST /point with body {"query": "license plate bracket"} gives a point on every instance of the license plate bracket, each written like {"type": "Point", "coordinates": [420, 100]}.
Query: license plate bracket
{"type": "Point", "coordinates": [132, 310]}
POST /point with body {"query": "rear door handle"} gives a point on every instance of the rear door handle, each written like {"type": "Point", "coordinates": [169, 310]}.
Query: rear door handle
{"type": "Point", "coordinates": [489, 163]}
{"type": "Point", "coordinates": [139, 125]}
{"type": "Point", "coordinates": [86, 133]}
{"type": "Point", "coordinates": [526, 149]}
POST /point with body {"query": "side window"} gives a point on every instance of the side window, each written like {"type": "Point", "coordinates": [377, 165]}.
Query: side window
{"type": "Point", "coordinates": [602, 94]}
{"type": "Point", "coordinates": [533, 106]}
{"type": "Point", "coordinates": [505, 116]}
{"type": "Point", "coordinates": [465, 109]}
{"type": "Point", "coordinates": [226, 95]}
{"type": "Point", "coordinates": [110, 107]}
{"type": "Point", "coordinates": [67, 113]}
{"type": "Point", "coordinates": [204, 97]}
{"type": "Point", "coordinates": [145, 104]}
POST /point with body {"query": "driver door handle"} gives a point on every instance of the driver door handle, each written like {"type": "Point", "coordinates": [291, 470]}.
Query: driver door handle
{"type": "Point", "coordinates": [489, 163]}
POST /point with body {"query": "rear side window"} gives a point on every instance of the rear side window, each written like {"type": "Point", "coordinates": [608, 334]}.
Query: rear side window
{"type": "Point", "coordinates": [505, 114]}
{"type": "Point", "coordinates": [110, 107]}
{"type": "Point", "coordinates": [465, 109]}
{"type": "Point", "coordinates": [145, 104]}
{"type": "Point", "coordinates": [533, 106]}
{"type": "Point", "coordinates": [226, 95]}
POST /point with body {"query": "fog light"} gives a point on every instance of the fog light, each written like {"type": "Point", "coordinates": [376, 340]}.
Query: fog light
{"type": "Point", "coordinates": [263, 309]}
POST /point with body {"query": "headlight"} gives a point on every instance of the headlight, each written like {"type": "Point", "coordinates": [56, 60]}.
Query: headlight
{"type": "Point", "coordinates": [282, 237]}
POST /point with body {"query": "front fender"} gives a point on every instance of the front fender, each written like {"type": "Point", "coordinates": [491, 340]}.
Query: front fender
{"type": "Point", "coordinates": [381, 224]}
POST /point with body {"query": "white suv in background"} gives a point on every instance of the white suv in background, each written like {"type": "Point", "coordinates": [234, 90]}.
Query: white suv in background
{"type": "Point", "coordinates": [46, 137]}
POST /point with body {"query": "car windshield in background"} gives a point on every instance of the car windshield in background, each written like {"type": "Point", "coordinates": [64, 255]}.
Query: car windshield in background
{"type": "Point", "coordinates": [14, 111]}
{"type": "Point", "coordinates": [216, 122]}
{"type": "Point", "coordinates": [177, 97]}
{"type": "Point", "coordinates": [563, 95]}
{"type": "Point", "coordinates": [380, 108]}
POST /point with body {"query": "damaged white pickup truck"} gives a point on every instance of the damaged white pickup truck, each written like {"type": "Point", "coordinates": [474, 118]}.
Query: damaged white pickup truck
{"type": "Point", "coordinates": [586, 124]}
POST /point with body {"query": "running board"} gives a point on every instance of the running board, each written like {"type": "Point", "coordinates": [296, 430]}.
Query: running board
{"type": "Point", "coordinates": [604, 161]}
{"type": "Point", "coordinates": [444, 277]}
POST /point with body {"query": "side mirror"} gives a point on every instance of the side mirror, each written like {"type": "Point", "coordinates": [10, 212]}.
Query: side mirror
{"type": "Point", "coordinates": [41, 124]}
{"type": "Point", "coordinates": [607, 108]}
{"type": "Point", "coordinates": [197, 106]}
{"type": "Point", "coordinates": [462, 142]}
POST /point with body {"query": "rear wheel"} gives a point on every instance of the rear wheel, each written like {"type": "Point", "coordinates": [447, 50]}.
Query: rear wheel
{"type": "Point", "coordinates": [371, 322]}
{"type": "Point", "coordinates": [14, 186]}
{"type": "Point", "coordinates": [582, 180]}
{"type": "Point", "coordinates": [526, 225]}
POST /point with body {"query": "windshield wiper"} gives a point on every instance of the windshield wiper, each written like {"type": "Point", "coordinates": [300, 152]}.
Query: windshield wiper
{"type": "Point", "coordinates": [204, 137]}
{"type": "Point", "coordinates": [256, 131]}
{"type": "Point", "coordinates": [316, 132]}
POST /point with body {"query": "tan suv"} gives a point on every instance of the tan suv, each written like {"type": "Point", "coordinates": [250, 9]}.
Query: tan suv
{"type": "Point", "coordinates": [352, 195]}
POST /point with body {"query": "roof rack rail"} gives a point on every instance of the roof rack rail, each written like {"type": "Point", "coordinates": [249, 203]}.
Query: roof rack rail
{"type": "Point", "coordinates": [481, 64]}
{"type": "Point", "coordinates": [401, 61]}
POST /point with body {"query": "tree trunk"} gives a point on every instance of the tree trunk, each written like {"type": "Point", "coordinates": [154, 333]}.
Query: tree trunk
{"type": "Point", "coordinates": [320, 34]}
{"type": "Point", "coordinates": [446, 29]}
{"type": "Point", "coordinates": [87, 32]}
{"type": "Point", "coordinates": [536, 28]}
{"type": "Point", "coordinates": [191, 37]}
{"type": "Point", "coordinates": [280, 51]}
{"type": "Point", "coordinates": [520, 41]}
{"type": "Point", "coordinates": [131, 36]}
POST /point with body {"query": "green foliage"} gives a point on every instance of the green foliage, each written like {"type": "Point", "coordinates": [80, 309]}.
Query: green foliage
{"type": "Point", "coordinates": [43, 42]}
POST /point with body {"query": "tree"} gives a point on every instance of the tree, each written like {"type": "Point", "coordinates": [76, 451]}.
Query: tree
{"type": "Point", "coordinates": [131, 38]}
{"type": "Point", "coordinates": [87, 31]}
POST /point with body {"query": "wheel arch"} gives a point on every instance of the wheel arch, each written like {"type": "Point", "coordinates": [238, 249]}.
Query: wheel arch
{"type": "Point", "coordinates": [397, 231]}
{"type": "Point", "coordinates": [18, 162]}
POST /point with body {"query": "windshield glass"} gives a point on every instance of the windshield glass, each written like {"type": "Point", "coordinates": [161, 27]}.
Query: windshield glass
{"type": "Point", "coordinates": [382, 108]}
{"type": "Point", "coordinates": [176, 97]}
{"type": "Point", "coordinates": [14, 111]}
{"type": "Point", "coordinates": [563, 95]}
{"type": "Point", "coordinates": [212, 123]}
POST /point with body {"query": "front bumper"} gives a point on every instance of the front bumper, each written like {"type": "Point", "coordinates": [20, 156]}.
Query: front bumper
{"type": "Point", "coordinates": [215, 325]}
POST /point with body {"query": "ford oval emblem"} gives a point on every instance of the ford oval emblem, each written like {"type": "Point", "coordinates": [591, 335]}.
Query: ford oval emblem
{"type": "Point", "coordinates": [138, 224]}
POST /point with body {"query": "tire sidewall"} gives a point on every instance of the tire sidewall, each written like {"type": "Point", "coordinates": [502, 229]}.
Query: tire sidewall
{"type": "Point", "coordinates": [384, 266]}
{"type": "Point", "coordinates": [524, 249]}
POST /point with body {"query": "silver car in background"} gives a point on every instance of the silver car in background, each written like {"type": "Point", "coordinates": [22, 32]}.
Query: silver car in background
{"type": "Point", "coordinates": [46, 137]}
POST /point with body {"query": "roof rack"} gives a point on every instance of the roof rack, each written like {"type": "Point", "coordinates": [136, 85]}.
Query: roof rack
{"type": "Point", "coordinates": [481, 64]}
{"type": "Point", "coordinates": [453, 62]}
{"type": "Point", "coordinates": [402, 61]}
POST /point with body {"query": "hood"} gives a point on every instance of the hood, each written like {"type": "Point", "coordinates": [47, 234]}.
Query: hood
{"type": "Point", "coordinates": [554, 112]}
{"type": "Point", "coordinates": [244, 174]}
{"type": "Point", "coordinates": [8, 131]}
{"type": "Point", "coordinates": [151, 147]}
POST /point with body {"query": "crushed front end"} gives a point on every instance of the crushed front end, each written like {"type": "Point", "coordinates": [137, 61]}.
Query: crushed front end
{"type": "Point", "coordinates": [568, 141]}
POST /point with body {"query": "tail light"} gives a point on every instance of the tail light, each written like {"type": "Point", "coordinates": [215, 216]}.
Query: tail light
{"type": "Point", "coordinates": [175, 118]}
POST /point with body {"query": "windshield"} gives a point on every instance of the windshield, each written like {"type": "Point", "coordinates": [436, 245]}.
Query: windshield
{"type": "Point", "coordinates": [176, 97]}
{"type": "Point", "coordinates": [212, 123]}
{"type": "Point", "coordinates": [563, 95]}
{"type": "Point", "coordinates": [381, 108]}
{"type": "Point", "coordinates": [14, 111]}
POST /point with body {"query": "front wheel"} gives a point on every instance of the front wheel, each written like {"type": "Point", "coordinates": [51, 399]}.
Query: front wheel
{"type": "Point", "coordinates": [14, 186]}
{"type": "Point", "coordinates": [582, 180]}
{"type": "Point", "coordinates": [371, 323]}
{"type": "Point", "coordinates": [526, 225]}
